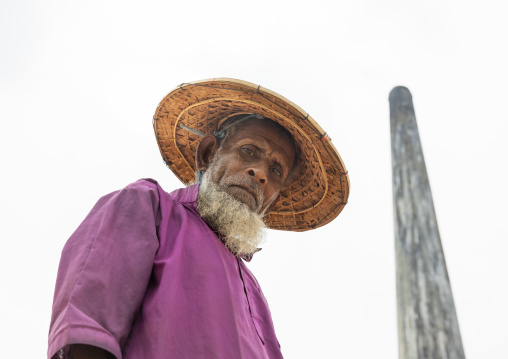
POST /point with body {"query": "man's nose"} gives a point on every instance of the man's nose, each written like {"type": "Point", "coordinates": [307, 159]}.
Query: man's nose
{"type": "Point", "coordinates": [258, 173]}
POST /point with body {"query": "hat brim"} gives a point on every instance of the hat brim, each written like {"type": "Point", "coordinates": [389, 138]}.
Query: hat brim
{"type": "Point", "coordinates": [320, 189]}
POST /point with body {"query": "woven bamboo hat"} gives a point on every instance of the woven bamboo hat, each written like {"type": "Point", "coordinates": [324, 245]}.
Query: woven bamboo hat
{"type": "Point", "coordinates": [317, 194]}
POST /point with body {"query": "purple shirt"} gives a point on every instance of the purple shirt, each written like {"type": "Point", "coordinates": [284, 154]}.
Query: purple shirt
{"type": "Point", "coordinates": [145, 277]}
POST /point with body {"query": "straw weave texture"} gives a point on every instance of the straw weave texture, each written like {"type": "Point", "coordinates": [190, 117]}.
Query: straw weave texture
{"type": "Point", "coordinates": [319, 192]}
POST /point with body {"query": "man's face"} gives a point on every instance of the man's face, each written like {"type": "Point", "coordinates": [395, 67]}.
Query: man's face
{"type": "Point", "coordinates": [253, 164]}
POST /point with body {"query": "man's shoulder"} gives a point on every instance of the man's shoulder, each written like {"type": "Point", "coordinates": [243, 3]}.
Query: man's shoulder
{"type": "Point", "coordinates": [180, 195]}
{"type": "Point", "coordinates": [145, 188]}
{"type": "Point", "coordinates": [144, 184]}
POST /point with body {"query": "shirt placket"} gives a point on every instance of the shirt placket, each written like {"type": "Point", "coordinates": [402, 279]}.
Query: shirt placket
{"type": "Point", "coordinates": [247, 291]}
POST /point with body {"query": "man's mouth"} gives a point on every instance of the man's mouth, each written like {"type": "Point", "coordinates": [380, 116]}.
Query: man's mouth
{"type": "Point", "coordinates": [247, 190]}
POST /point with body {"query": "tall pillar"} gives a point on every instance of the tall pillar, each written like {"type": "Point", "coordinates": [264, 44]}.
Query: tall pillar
{"type": "Point", "coordinates": [427, 321]}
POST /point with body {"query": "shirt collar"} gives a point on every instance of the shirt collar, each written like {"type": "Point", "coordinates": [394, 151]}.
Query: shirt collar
{"type": "Point", "coordinates": [248, 257]}
{"type": "Point", "coordinates": [187, 196]}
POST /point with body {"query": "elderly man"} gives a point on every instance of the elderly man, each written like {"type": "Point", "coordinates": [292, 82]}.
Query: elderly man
{"type": "Point", "coordinates": [155, 275]}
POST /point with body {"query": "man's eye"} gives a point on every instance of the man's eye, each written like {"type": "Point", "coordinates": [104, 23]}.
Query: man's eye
{"type": "Point", "coordinates": [248, 151]}
{"type": "Point", "coordinates": [277, 172]}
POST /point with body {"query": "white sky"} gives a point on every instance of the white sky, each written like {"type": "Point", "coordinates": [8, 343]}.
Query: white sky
{"type": "Point", "coordinates": [80, 81]}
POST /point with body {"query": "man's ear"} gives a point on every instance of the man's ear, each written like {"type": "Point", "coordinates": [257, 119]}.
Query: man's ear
{"type": "Point", "coordinates": [205, 151]}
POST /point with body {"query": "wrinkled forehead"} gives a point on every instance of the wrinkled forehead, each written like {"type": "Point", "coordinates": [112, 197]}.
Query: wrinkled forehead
{"type": "Point", "coordinates": [262, 128]}
{"type": "Point", "coordinates": [269, 134]}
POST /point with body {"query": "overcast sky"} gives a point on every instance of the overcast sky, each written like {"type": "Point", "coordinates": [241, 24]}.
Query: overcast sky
{"type": "Point", "coordinates": [80, 82]}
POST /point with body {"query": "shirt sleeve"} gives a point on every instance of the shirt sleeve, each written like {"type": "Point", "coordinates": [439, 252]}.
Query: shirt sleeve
{"type": "Point", "coordinates": [104, 270]}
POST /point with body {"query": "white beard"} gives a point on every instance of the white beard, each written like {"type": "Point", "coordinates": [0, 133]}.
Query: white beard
{"type": "Point", "coordinates": [243, 229]}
